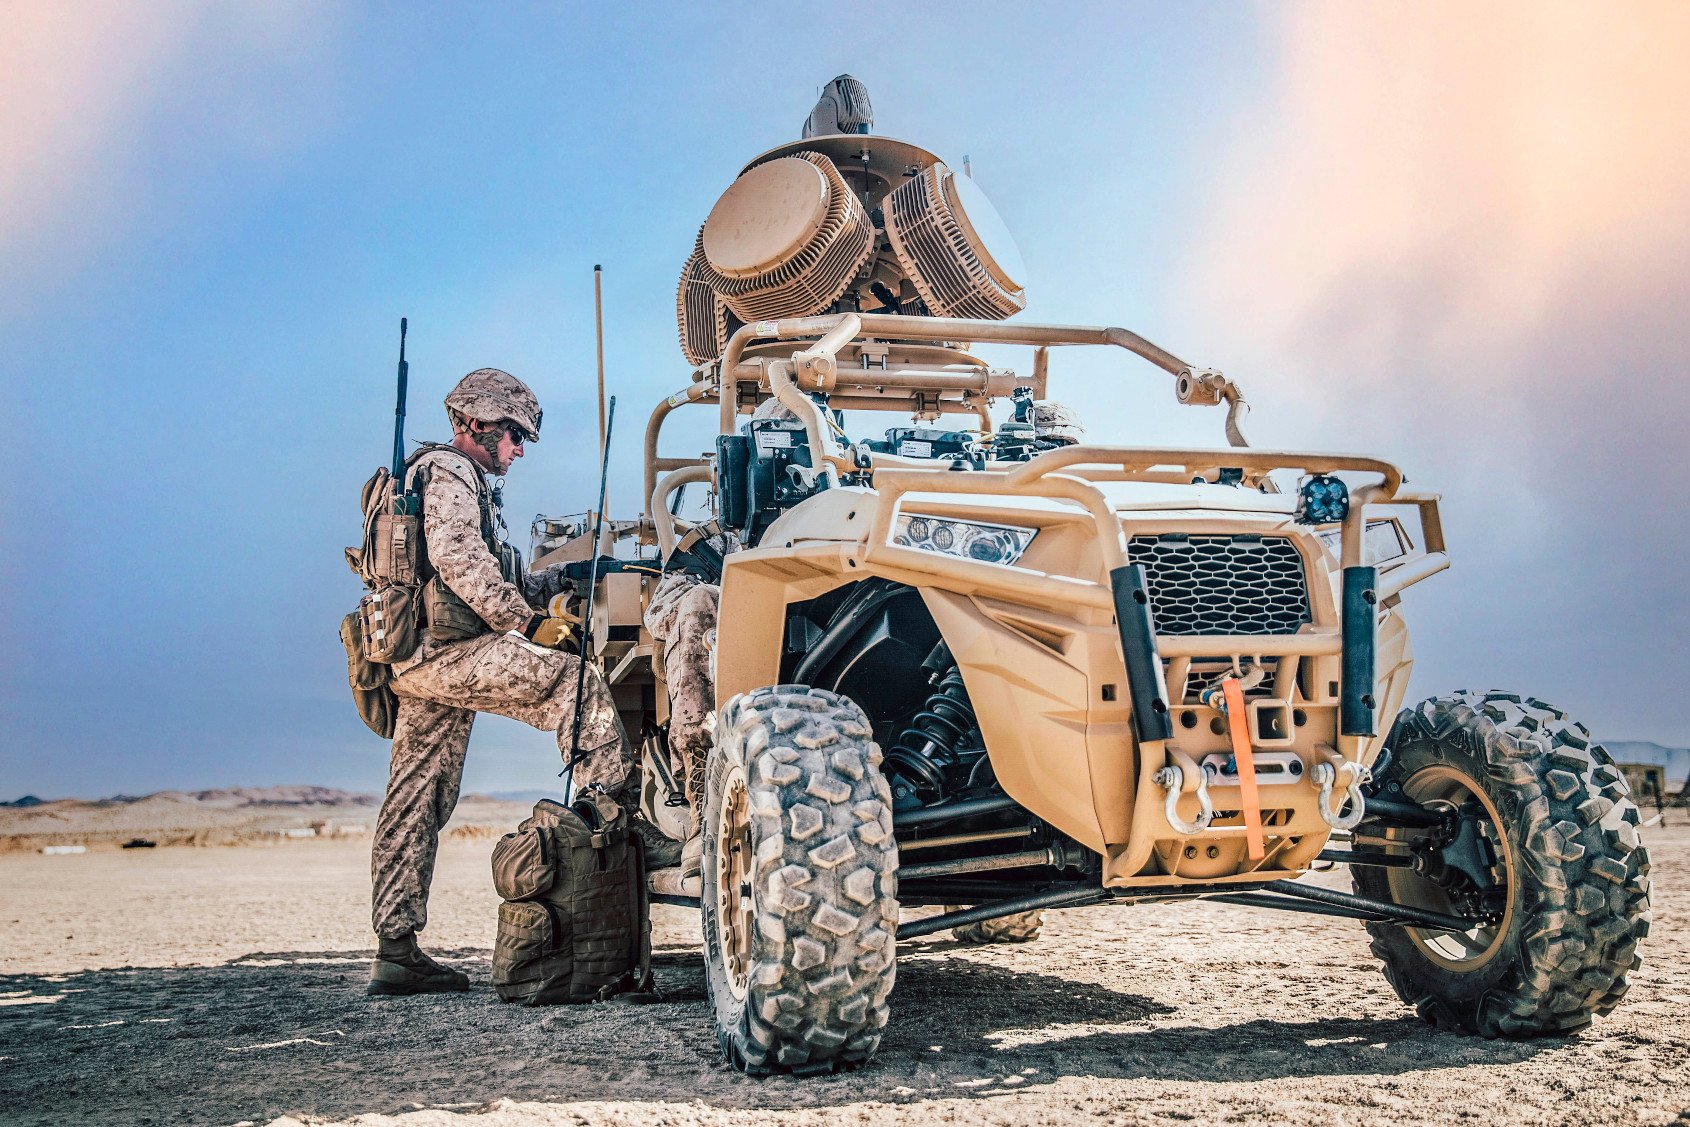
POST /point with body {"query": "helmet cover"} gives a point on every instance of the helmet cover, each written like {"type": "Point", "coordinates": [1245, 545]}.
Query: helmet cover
{"type": "Point", "coordinates": [1055, 423]}
{"type": "Point", "coordinates": [493, 396]}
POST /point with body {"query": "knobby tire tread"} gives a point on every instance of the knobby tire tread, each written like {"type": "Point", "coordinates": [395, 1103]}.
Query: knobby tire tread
{"type": "Point", "coordinates": [825, 876]}
{"type": "Point", "coordinates": [1584, 904]}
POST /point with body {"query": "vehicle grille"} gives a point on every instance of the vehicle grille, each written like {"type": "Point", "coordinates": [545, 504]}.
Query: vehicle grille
{"type": "Point", "coordinates": [1223, 584]}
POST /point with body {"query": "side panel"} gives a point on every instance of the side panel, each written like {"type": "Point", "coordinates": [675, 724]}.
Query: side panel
{"type": "Point", "coordinates": [1396, 662]}
{"type": "Point", "coordinates": [1031, 691]}
{"type": "Point", "coordinates": [757, 585]}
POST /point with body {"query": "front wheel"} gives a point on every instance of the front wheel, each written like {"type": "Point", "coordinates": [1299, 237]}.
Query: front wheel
{"type": "Point", "coordinates": [799, 893]}
{"type": "Point", "coordinates": [1550, 856]}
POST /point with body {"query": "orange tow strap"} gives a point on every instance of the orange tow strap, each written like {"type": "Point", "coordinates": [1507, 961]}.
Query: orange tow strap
{"type": "Point", "coordinates": [1239, 725]}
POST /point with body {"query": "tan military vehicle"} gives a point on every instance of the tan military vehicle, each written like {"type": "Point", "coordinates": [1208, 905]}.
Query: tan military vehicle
{"type": "Point", "coordinates": [998, 670]}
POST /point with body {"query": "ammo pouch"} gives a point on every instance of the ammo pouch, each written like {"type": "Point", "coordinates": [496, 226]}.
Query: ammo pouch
{"type": "Point", "coordinates": [574, 926]}
{"type": "Point", "coordinates": [387, 618]}
{"type": "Point", "coordinates": [376, 704]}
{"type": "Point", "coordinates": [449, 618]}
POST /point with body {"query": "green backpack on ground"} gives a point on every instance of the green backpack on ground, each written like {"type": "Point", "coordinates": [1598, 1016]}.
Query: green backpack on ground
{"type": "Point", "coordinates": [574, 926]}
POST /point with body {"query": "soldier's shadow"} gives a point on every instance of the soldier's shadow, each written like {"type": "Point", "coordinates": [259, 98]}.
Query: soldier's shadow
{"type": "Point", "coordinates": [279, 1033]}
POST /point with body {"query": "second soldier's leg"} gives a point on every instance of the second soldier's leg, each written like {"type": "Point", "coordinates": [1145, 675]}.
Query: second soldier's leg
{"type": "Point", "coordinates": [692, 703]}
{"type": "Point", "coordinates": [429, 742]}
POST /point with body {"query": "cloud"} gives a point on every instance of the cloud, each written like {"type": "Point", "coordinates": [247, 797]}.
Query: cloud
{"type": "Point", "coordinates": [1458, 235]}
{"type": "Point", "coordinates": [107, 106]}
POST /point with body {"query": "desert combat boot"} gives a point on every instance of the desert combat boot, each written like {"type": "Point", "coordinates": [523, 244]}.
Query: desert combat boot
{"type": "Point", "coordinates": [400, 967]}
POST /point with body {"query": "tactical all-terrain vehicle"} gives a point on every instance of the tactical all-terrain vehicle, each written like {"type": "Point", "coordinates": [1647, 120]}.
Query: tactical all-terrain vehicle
{"type": "Point", "coordinates": [996, 673]}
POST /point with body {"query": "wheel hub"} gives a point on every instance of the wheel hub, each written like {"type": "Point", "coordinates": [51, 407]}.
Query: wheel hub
{"type": "Point", "coordinates": [1472, 873]}
{"type": "Point", "coordinates": [735, 911]}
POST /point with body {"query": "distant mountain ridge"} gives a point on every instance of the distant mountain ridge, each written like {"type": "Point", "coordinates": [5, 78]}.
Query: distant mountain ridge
{"type": "Point", "coordinates": [1676, 760]}
{"type": "Point", "coordinates": [225, 797]}
{"type": "Point", "coordinates": [283, 795]}
{"type": "Point", "coordinates": [218, 816]}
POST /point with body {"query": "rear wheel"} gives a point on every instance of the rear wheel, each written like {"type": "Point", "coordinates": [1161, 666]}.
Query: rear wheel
{"type": "Point", "coordinates": [1022, 927]}
{"type": "Point", "coordinates": [799, 891]}
{"type": "Point", "coordinates": [1550, 856]}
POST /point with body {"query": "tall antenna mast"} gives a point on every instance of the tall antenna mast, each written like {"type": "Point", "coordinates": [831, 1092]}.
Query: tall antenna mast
{"type": "Point", "coordinates": [598, 322]}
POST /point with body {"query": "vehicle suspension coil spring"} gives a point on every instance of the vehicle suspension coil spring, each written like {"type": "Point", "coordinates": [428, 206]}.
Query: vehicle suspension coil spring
{"type": "Point", "coordinates": [923, 752]}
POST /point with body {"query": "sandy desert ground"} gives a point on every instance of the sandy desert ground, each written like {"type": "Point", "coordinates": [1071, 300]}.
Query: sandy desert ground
{"type": "Point", "coordinates": [224, 986]}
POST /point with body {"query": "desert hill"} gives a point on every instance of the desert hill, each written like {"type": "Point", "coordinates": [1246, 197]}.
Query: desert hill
{"type": "Point", "coordinates": [224, 816]}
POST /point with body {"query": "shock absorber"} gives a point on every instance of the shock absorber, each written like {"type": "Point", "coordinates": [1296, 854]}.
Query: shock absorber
{"type": "Point", "coordinates": [925, 753]}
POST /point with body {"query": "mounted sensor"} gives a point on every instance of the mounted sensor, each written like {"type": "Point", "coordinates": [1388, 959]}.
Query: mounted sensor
{"type": "Point", "coordinates": [785, 239]}
{"type": "Point", "coordinates": [951, 242]}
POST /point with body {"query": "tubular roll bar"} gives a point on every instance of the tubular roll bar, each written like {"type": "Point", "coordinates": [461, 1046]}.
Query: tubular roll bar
{"type": "Point", "coordinates": [815, 368]}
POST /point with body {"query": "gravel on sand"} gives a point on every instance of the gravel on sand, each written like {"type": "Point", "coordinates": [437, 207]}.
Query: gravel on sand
{"type": "Point", "coordinates": [225, 985]}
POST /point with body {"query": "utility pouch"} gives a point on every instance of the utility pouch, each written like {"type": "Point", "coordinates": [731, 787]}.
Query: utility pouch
{"type": "Point", "coordinates": [394, 548]}
{"type": "Point", "coordinates": [579, 930]}
{"type": "Point", "coordinates": [524, 864]}
{"type": "Point", "coordinates": [510, 562]}
{"type": "Point", "coordinates": [374, 699]}
{"type": "Point", "coordinates": [449, 618]}
{"type": "Point", "coordinates": [387, 619]}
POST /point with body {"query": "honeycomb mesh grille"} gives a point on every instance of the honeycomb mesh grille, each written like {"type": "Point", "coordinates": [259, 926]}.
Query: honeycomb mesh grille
{"type": "Point", "coordinates": [1223, 584]}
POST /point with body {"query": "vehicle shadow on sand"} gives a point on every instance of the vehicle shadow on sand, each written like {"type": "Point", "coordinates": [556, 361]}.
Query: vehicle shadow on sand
{"type": "Point", "coordinates": [277, 1033]}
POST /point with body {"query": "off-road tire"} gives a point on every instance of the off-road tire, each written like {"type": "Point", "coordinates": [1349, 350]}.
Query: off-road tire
{"type": "Point", "coordinates": [1022, 927]}
{"type": "Point", "coordinates": [1580, 901]}
{"type": "Point", "coordinates": [822, 879]}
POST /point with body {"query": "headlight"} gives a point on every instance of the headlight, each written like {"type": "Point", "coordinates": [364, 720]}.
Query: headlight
{"type": "Point", "coordinates": [964, 539]}
{"type": "Point", "coordinates": [1324, 499]}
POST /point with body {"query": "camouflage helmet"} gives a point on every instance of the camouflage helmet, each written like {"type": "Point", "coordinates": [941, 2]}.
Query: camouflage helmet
{"type": "Point", "coordinates": [772, 408]}
{"type": "Point", "coordinates": [493, 396]}
{"type": "Point", "coordinates": [1055, 423]}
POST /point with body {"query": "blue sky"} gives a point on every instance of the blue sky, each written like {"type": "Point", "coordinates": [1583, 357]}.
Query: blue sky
{"type": "Point", "coordinates": [221, 213]}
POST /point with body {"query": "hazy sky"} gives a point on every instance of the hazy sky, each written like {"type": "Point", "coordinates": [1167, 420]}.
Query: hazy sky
{"type": "Point", "coordinates": [1455, 235]}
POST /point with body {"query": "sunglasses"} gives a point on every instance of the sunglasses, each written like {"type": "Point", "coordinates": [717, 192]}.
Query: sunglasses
{"type": "Point", "coordinates": [518, 435]}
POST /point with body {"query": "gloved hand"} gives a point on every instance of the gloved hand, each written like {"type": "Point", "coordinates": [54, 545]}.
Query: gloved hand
{"type": "Point", "coordinates": [553, 633]}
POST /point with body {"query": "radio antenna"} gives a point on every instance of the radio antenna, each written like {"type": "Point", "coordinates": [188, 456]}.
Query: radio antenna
{"type": "Point", "coordinates": [598, 323]}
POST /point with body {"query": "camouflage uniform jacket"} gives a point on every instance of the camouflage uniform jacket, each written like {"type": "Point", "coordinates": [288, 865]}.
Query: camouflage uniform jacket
{"type": "Point", "coordinates": [460, 519]}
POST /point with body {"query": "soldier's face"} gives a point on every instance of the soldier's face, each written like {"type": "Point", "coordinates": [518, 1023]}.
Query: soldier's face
{"type": "Point", "coordinates": [509, 448]}
{"type": "Point", "coordinates": [497, 444]}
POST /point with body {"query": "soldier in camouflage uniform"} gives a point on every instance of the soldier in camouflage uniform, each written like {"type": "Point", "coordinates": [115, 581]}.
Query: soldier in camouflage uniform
{"type": "Point", "coordinates": [681, 617]}
{"type": "Point", "coordinates": [514, 668]}
{"type": "Point", "coordinates": [1054, 424]}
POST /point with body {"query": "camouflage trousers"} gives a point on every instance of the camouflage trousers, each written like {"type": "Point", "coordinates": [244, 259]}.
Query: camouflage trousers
{"type": "Point", "coordinates": [438, 699]}
{"type": "Point", "coordinates": [682, 617]}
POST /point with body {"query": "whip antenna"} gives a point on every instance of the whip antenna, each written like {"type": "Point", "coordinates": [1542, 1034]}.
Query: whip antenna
{"type": "Point", "coordinates": [575, 753]}
{"type": "Point", "coordinates": [598, 324]}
